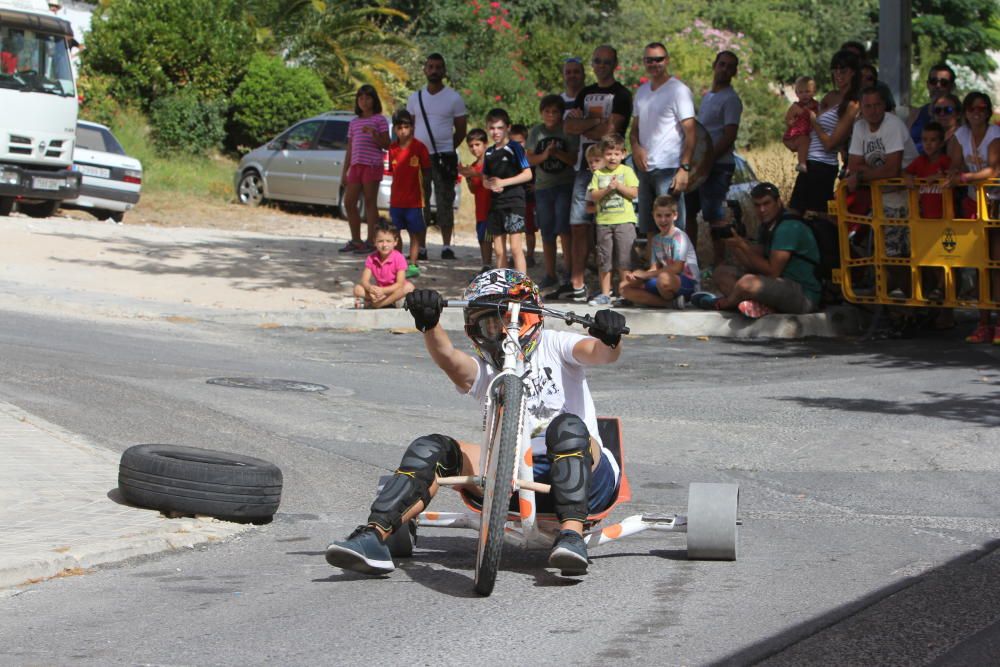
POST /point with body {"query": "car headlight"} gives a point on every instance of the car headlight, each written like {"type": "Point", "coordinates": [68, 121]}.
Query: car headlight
{"type": "Point", "coordinates": [9, 177]}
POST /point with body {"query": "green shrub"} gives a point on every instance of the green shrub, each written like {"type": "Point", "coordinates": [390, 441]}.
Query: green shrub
{"type": "Point", "coordinates": [152, 48]}
{"type": "Point", "coordinates": [184, 123]}
{"type": "Point", "coordinates": [271, 97]}
{"type": "Point", "coordinates": [96, 101]}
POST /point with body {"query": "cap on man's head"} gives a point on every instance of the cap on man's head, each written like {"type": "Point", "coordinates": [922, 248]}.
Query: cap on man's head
{"type": "Point", "coordinates": [765, 189]}
{"type": "Point", "coordinates": [402, 117]}
{"type": "Point", "coordinates": [55, 4]}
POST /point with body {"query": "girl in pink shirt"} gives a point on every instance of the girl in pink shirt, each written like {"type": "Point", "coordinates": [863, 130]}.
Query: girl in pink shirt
{"type": "Point", "coordinates": [383, 281]}
{"type": "Point", "coordinates": [367, 139]}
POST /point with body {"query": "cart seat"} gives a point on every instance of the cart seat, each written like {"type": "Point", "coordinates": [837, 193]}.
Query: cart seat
{"type": "Point", "coordinates": [610, 431]}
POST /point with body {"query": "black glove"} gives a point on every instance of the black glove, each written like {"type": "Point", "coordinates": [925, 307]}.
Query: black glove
{"type": "Point", "coordinates": [608, 327]}
{"type": "Point", "coordinates": [425, 305]}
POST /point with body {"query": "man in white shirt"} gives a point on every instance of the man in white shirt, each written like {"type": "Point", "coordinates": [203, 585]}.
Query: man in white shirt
{"type": "Point", "coordinates": [439, 111]}
{"type": "Point", "coordinates": [663, 137]}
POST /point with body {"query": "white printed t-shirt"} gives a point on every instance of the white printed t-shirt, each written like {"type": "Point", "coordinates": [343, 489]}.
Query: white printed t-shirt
{"type": "Point", "coordinates": [676, 246]}
{"type": "Point", "coordinates": [659, 114]}
{"type": "Point", "coordinates": [442, 110]}
{"type": "Point", "coordinates": [558, 384]}
{"type": "Point", "coordinates": [890, 137]}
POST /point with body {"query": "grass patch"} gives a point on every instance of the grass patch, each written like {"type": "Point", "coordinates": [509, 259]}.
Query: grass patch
{"type": "Point", "coordinates": [199, 177]}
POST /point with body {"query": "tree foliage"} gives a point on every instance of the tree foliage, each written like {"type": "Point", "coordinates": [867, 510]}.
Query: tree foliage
{"type": "Point", "coordinates": [153, 48]}
{"type": "Point", "coordinates": [271, 97]}
{"type": "Point", "coordinates": [963, 30]}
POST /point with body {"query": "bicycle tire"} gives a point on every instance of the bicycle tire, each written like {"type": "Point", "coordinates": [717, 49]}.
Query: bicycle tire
{"type": "Point", "coordinates": [498, 486]}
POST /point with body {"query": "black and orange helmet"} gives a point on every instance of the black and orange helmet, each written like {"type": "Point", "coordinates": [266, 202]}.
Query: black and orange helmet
{"type": "Point", "coordinates": [484, 323]}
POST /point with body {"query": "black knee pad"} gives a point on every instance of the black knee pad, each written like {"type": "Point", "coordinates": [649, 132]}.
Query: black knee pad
{"type": "Point", "coordinates": [427, 457]}
{"type": "Point", "coordinates": [568, 443]}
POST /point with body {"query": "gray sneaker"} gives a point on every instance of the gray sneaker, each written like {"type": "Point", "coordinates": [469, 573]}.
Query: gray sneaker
{"type": "Point", "coordinates": [600, 300]}
{"type": "Point", "coordinates": [364, 552]}
{"type": "Point", "coordinates": [569, 554]}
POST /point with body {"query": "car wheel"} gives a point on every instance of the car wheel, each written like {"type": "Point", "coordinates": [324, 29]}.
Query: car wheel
{"type": "Point", "coordinates": [105, 214]}
{"type": "Point", "coordinates": [6, 205]}
{"type": "Point", "coordinates": [250, 191]}
{"type": "Point", "coordinates": [45, 209]}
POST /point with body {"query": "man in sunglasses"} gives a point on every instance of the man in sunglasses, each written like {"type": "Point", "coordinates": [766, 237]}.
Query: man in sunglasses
{"type": "Point", "coordinates": [663, 137]}
{"type": "Point", "coordinates": [940, 81]}
{"type": "Point", "coordinates": [603, 107]}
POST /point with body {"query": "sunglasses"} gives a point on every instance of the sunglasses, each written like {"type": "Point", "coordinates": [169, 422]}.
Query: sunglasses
{"type": "Point", "coordinates": [602, 61]}
{"type": "Point", "coordinates": [944, 110]}
{"type": "Point", "coordinates": [938, 81]}
{"type": "Point", "coordinates": [649, 60]}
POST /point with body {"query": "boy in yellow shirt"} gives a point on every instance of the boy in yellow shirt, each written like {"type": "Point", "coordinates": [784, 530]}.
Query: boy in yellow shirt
{"type": "Point", "coordinates": [612, 190]}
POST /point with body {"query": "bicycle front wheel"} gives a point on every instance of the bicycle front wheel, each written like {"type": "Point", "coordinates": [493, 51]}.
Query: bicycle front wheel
{"type": "Point", "coordinates": [498, 484]}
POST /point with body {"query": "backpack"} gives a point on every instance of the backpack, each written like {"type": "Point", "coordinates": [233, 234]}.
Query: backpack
{"type": "Point", "coordinates": [825, 234]}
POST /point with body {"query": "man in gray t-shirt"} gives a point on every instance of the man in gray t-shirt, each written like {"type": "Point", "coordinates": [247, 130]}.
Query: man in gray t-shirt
{"type": "Point", "coordinates": [720, 113]}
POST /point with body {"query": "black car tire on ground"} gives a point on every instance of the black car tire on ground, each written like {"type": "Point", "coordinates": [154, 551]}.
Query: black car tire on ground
{"type": "Point", "coordinates": [6, 205]}
{"type": "Point", "coordinates": [105, 214]}
{"type": "Point", "coordinates": [45, 209]}
{"type": "Point", "coordinates": [191, 480]}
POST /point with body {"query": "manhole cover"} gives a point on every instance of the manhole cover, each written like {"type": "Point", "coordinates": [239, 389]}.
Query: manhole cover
{"type": "Point", "coordinates": [267, 384]}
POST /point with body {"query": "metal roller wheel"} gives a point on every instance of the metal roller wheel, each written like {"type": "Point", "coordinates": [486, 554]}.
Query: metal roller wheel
{"type": "Point", "coordinates": [711, 517]}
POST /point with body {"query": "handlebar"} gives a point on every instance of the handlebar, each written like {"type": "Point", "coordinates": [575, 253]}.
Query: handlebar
{"type": "Point", "coordinates": [569, 317]}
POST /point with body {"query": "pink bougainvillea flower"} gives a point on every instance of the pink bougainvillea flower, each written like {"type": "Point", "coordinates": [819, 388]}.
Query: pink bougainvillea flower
{"type": "Point", "coordinates": [495, 5]}
{"type": "Point", "coordinates": [498, 97]}
{"type": "Point", "coordinates": [643, 79]}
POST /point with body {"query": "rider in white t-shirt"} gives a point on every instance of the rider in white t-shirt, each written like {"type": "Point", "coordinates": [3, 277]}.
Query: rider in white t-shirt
{"type": "Point", "coordinates": [559, 421]}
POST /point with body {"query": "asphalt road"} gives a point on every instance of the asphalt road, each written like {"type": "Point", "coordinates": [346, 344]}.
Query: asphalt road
{"type": "Point", "coordinates": [868, 478]}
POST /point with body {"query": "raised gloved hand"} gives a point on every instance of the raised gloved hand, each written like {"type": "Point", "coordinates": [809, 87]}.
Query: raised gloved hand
{"type": "Point", "coordinates": [608, 327]}
{"type": "Point", "coordinates": [425, 305]}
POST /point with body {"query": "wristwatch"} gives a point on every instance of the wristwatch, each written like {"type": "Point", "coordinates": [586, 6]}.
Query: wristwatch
{"type": "Point", "coordinates": [686, 166]}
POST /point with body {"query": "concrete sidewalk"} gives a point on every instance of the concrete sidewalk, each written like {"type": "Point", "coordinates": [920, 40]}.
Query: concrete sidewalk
{"type": "Point", "coordinates": [99, 270]}
{"type": "Point", "coordinates": [60, 509]}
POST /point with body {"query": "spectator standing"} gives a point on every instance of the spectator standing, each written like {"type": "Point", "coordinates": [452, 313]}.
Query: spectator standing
{"type": "Point", "coordinates": [602, 108]}
{"type": "Point", "coordinates": [477, 140]}
{"type": "Point", "coordinates": [552, 153]}
{"type": "Point", "coordinates": [505, 173]}
{"type": "Point", "coordinates": [410, 164]}
{"type": "Point", "coordinates": [720, 113]}
{"type": "Point", "coordinates": [519, 133]}
{"type": "Point", "coordinates": [881, 148]}
{"type": "Point", "coordinates": [612, 190]}
{"type": "Point", "coordinates": [439, 111]}
{"type": "Point", "coordinates": [364, 163]}
{"type": "Point", "coordinates": [663, 137]}
{"type": "Point", "coordinates": [940, 81]}
{"type": "Point", "coordinates": [573, 79]}
{"type": "Point", "coordinates": [774, 275]}
{"type": "Point", "coordinates": [976, 148]}
{"type": "Point", "coordinates": [831, 130]}
{"type": "Point", "coordinates": [947, 110]}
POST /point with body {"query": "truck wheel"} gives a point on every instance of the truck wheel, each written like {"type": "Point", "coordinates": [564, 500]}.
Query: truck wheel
{"type": "Point", "coordinates": [45, 209]}
{"type": "Point", "coordinates": [6, 205]}
{"type": "Point", "coordinates": [190, 480]}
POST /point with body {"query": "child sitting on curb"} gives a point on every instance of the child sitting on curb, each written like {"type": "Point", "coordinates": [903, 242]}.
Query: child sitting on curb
{"type": "Point", "coordinates": [383, 281]}
{"type": "Point", "coordinates": [673, 275]}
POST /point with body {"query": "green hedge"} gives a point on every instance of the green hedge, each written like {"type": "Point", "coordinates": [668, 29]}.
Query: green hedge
{"type": "Point", "coordinates": [270, 98]}
{"type": "Point", "coordinates": [184, 123]}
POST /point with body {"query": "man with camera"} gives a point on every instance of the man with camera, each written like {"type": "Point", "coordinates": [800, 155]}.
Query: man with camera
{"type": "Point", "coordinates": [776, 274]}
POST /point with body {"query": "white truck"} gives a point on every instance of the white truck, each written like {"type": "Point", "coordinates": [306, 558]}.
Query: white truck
{"type": "Point", "coordinates": [38, 109]}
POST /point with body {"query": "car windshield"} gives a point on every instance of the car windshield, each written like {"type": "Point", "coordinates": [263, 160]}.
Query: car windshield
{"type": "Point", "coordinates": [35, 62]}
{"type": "Point", "coordinates": [97, 139]}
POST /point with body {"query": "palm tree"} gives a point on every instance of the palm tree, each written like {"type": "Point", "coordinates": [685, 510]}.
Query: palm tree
{"type": "Point", "coordinates": [346, 46]}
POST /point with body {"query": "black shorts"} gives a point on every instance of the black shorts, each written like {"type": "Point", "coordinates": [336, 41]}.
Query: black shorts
{"type": "Point", "coordinates": [814, 188]}
{"type": "Point", "coordinates": [505, 221]}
